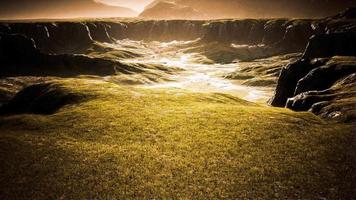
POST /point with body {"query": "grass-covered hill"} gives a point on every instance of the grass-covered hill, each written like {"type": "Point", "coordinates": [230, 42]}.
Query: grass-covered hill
{"type": "Point", "coordinates": [117, 142]}
{"type": "Point", "coordinates": [82, 117]}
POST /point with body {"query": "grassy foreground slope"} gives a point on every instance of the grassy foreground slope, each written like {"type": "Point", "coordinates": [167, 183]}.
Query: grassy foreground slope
{"type": "Point", "coordinates": [129, 143]}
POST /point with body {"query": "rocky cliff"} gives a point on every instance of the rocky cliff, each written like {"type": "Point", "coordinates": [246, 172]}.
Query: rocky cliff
{"type": "Point", "coordinates": [19, 56]}
{"type": "Point", "coordinates": [281, 34]}
{"type": "Point", "coordinates": [323, 80]}
{"type": "Point", "coordinates": [323, 74]}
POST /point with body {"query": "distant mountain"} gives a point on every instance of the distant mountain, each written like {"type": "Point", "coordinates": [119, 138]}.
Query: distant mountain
{"type": "Point", "coordinates": [169, 10]}
{"type": "Point", "coordinates": [34, 9]}
{"type": "Point", "coordinates": [210, 9]}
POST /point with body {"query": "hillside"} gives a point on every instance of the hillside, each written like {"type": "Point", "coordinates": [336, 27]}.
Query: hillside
{"type": "Point", "coordinates": [117, 142]}
{"type": "Point", "coordinates": [208, 9]}
{"type": "Point", "coordinates": [178, 109]}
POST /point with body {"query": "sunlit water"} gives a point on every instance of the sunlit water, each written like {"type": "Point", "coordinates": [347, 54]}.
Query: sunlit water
{"type": "Point", "coordinates": [196, 75]}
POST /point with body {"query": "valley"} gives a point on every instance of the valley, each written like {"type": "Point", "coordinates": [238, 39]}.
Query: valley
{"type": "Point", "coordinates": [178, 109]}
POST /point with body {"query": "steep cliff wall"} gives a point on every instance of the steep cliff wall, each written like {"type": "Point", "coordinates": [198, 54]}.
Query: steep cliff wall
{"type": "Point", "coordinates": [323, 80]}
{"type": "Point", "coordinates": [283, 34]}
{"type": "Point", "coordinates": [19, 56]}
{"type": "Point", "coordinates": [318, 77]}
{"type": "Point", "coordinates": [76, 37]}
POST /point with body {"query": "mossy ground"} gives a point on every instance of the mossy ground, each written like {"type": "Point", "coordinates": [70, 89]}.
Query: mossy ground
{"type": "Point", "coordinates": [129, 143]}
{"type": "Point", "coordinates": [262, 72]}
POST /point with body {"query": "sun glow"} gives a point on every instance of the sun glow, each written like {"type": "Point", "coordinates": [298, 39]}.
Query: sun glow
{"type": "Point", "coordinates": [137, 5]}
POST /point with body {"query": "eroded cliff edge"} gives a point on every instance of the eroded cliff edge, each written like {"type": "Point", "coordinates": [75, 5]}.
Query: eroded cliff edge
{"type": "Point", "coordinates": [322, 80]}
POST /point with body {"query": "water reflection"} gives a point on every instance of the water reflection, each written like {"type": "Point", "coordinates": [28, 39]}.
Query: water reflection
{"type": "Point", "coordinates": [198, 75]}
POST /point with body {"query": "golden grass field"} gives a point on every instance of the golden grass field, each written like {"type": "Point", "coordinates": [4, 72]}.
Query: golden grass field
{"type": "Point", "coordinates": [121, 142]}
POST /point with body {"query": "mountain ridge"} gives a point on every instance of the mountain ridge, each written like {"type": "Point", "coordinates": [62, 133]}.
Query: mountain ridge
{"type": "Point", "coordinates": [210, 9]}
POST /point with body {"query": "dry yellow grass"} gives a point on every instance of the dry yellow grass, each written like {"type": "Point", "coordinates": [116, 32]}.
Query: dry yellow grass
{"type": "Point", "coordinates": [127, 143]}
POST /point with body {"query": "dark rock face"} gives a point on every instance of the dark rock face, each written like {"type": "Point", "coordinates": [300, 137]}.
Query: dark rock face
{"type": "Point", "coordinates": [297, 35]}
{"type": "Point", "coordinates": [99, 32]}
{"type": "Point", "coordinates": [337, 102]}
{"type": "Point", "coordinates": [305, 101]}
{"type": "Point", "coordinates": [327, 45]}
{"type": "Point", "coordinates": [342, 107]}
{"type": "Point", "coordinates": [68, 37]}
{"type": "Point", "coordinates": [274, 31]}
{"type": "Point", "coordinates": [164, 30]}
{"type": "Point", "coordinates": [317, 84]}
{"type": "Point", "coordinates": [289, 77]}
{"type": "Point", "coordinates": [44, 98]}
{"type": "Point", "coordinates": [4, 28]}
{"type": "Point", "coordinates": [54, 37]}
{"type": "Point", "coordinates": [349, 13]}
{"type": "Point", "coordinates": [20, 57]}
{"type": "Point", "coordinates": [17, 48]}
{"type": "Point", "coordinates": [324, 77]}
{"type": "Point", "coordinates": [37, 32]}
{"type": "Point", "coordinates": [283, 35]}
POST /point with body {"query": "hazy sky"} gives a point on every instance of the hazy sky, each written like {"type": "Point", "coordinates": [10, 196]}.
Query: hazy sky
{"type": "Point", "coordinates": [137, 5]}
{"type": "Point", "coordinates": [30, 9]}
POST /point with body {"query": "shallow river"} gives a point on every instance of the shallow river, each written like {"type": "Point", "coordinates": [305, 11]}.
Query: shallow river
{"type": "Point", "coordinates": [197, 75]}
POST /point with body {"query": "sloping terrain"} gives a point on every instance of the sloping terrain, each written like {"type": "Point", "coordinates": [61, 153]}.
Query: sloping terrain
{"type": "Point", "coordinates": [122, 142]}
{"type": "Point", "coordinates": [227, 9]}
{"type": "Point", "coordinates": [145, 109]}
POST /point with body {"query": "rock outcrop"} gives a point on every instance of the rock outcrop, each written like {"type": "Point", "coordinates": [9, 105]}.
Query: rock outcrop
{"type": "Point", "coordinates": [43, 98]}
{"type": "Point", "coordinates": [328, 45]}
{"type": "Point", "coordinates": [337, 102]}
{"type": "Point", "coordinates": [57, 38]}
{"type": "Point", "coordinates": [19, 56]}
{"type": "Point", "coordinates": [325, 86]}
{"type": "Point", "coordinates": [323, 80]}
